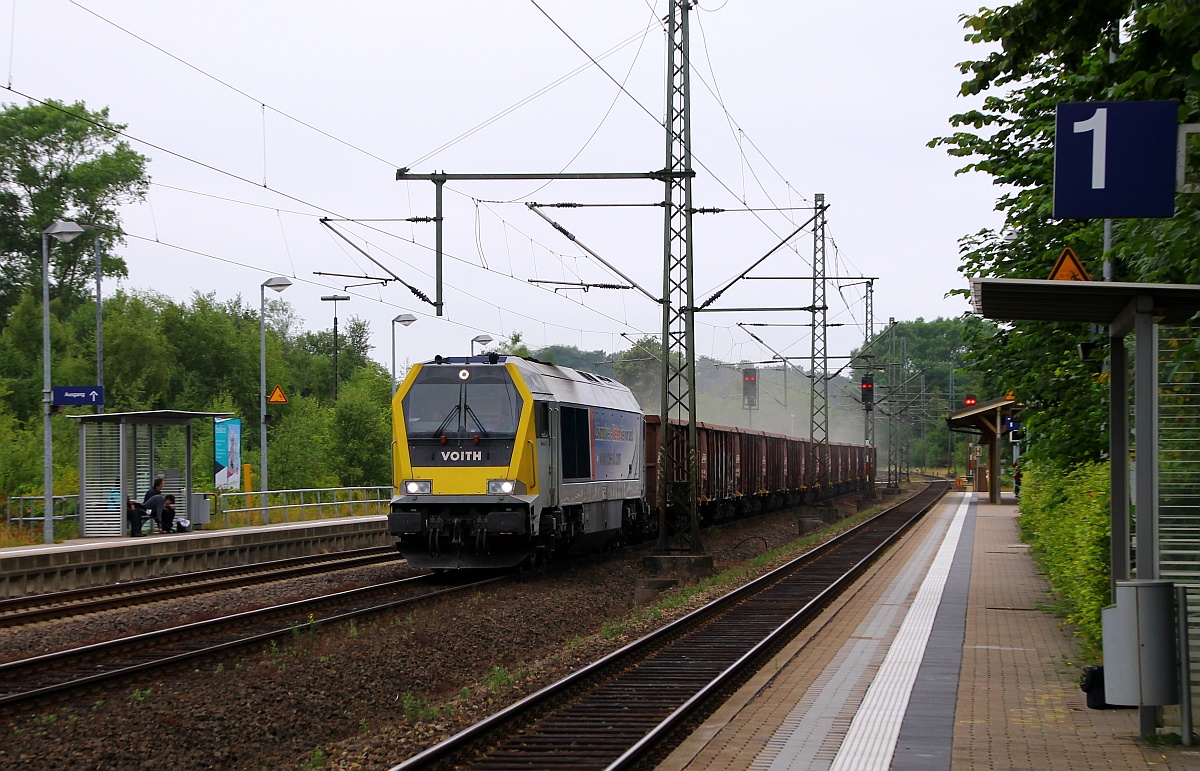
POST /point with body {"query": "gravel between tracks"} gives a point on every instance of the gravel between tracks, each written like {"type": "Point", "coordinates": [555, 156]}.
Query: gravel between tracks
{"type": "Point", "coordinates": [354, 696]}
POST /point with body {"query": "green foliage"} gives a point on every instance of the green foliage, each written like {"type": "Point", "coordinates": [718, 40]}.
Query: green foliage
{"type": "Point", "coordinates": [515, 346]}
{"type": "Point", "coordinates": [60, 161]}
{"type": "Point", "coordinates": [362, 428]}
{"type": "Point", "coordinates": [417, 709]}
{"type": "Point", "coordinates": [301, 446]}
{"type": "Point", "coordinates": [1043, 52]}
{"type": "Point", "coordinates": [640, 368]}
{"type": "Point", "coordinates": [1065, 519]}
{"type": "Point", "coordinates": [498, 678]}
{"type": "Point", "coordinates": [319, 759]}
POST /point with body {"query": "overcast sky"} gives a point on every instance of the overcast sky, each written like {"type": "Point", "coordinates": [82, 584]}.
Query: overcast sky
{"type": "Point", "coordinates": [837, 98]}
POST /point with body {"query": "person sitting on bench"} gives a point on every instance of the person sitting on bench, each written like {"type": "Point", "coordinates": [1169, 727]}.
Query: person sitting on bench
{"type": "Point", "coordinates": [137, 513]}
{"type": "Point", "coordinates": [162, 509]}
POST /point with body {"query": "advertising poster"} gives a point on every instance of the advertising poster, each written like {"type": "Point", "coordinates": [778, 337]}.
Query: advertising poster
{"type": "Point", "coordinates": [615, 444]}
{"type": "Point", "coordinates": [227, 453]}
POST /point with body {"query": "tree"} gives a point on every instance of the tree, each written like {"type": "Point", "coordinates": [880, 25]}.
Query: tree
{"type": "Point", "coordinates": [362, 434]}
{"type": "Point", "coordinates": [514, 346]}
{"type": "Point", "coordinates": [640, 368]}
{"type": "Point", "coordinates": [1046, 52]}
{"type": "Point", "coordinates": [60, 161]}
{"type": "Point", "coordinates": [302, 447]}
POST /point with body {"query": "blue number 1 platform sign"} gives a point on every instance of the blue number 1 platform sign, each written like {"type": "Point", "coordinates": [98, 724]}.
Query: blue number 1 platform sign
{"type": "Point", "coordinates": [1115, 159]}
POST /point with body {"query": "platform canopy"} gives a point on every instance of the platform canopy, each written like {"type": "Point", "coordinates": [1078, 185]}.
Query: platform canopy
{"type": "Point", "coordinates": [982, 416]}
{"type": "Point", "coordinates": [1125, 308]}
{"type": "Point", "coordinates": [151, 417]}
{"type": "Point", "coordinates": [986, 419]}
{"type": "Point", "coordinates": [1093, 302]}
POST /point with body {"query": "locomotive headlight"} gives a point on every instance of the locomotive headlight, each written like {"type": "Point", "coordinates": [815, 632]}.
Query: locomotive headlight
{"type": "Point", "coordinates": [418, 486]}
{"type": "Point", "coordinates": [501, 486]}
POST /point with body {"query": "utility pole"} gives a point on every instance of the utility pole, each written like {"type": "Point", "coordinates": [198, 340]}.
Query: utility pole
{"type": "Point", "coordinates": [818, 403]}
{"type": "Point", "coordinates": [869, 415]}
{"type": "Point", "coordinates": [895, 378]}
{"type": "Point", "coordinates": [679, 522]}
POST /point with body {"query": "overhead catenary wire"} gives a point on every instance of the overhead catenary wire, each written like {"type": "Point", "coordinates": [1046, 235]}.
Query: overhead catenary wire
{"type": "Point", "coordinates": [270, 271]}
{"type": "Point", "coordinates": [264, 106]}
{"type": "Point", "coordinates": [202, 164]}
{"type": "Point", "coordinates": [593, 61]}
{"type": "Point", "coordinates": [713, 89]}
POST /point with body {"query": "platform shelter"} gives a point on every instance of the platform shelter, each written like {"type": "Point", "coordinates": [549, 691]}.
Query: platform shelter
{"type": "Point", "coordinates": [1137, 310]}
{"type": "Point", "coordinates": [987, 420]}
{"type": "Point", "coordinates": [121, 453]}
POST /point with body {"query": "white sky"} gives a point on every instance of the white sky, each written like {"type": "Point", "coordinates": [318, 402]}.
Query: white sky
{"type": "Point", "coordinates": [838, 98]}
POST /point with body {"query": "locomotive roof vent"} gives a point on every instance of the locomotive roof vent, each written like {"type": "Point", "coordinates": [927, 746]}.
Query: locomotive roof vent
{"type": "Point", "coordinates": [493, 357]}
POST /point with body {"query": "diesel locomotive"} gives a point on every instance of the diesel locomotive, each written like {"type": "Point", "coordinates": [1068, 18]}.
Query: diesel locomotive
{"type": "Point", "coordinates": [500, 460]}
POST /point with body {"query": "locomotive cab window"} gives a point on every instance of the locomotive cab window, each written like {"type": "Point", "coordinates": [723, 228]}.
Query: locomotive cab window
{"type": "Point", "coordinates": [449, 400]}
{"type": "Point", "coordinates": [576, 443]}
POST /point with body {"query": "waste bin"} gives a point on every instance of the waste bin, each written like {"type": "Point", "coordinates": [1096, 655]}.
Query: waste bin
{"type": "Point", "coordinates": [198, 510]}
{"type": "Point", "coordinates": [1139, 645]}
{"type": "Point", "coordinates": [1092, 684]}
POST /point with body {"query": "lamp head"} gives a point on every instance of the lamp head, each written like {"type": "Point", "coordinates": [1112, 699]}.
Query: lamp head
{"type": "Point", "coordinates": [405, 319]}
{"type": "Point", "coordinates": [482, 339]}
{"type": "Point", "coordinates": [64, 230]}
{"type": "Point", "coordinates": [278, 283]}
{"type": "Point", "coordinates": [335, 297]}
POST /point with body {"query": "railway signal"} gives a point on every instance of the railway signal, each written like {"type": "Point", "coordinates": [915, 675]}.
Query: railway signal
{"type": "Point", "coordinates": [868, 391]}
{"type": "Point", "coordinates": [750, 388]}
{"type": "Point", "coordinates": [969, 400]}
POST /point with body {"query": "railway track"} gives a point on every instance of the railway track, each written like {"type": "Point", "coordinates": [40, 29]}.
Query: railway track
{"type": "Point", "coordinates": [631, 707]}
{"type": "Point", "coordinates": [64, 671]}
{"type": "Point", "coordinates": [28, 609]}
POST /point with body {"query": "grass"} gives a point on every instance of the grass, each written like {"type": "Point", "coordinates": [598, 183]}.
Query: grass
{"type": "Point", "coordinates": [20, 535]}
{"type": "Point", "coordinates": [414, 710]}
{"type": "Point", "coordinates": [319, 758]}
{"type": "Point", "coordinates": [277, 514]}
{"type": "Point", "coordinates": [498, 678]}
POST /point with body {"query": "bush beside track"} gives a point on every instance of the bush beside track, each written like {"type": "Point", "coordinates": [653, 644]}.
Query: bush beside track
{"type": "Point", "coordinates": [1065, 520]}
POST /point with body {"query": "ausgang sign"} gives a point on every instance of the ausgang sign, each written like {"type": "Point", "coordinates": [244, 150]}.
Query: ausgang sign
{"type": "Point", "coordinates": [1115, 159]}
{"type": "Point", "coordinates": [77, 395]}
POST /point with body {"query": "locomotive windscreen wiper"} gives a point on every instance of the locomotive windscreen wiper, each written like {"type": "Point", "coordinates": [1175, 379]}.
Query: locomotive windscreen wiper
{"type": "Point", "coordinates": [471, 414]}
{"type": "Point", "coordinates": [446, 421]}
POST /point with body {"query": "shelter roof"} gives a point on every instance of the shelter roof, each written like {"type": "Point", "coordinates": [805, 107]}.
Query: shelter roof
{"type": "Point", "coordinates": [979, 417]}
{"type": "Point", "coordinates": [1095, 302]}
{"type": "Point", "coordinates": [150, 417]}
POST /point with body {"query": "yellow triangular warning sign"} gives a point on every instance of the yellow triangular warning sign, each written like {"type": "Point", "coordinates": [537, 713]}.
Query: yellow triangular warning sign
{"type": "Point", "coordinates": [1069, 268]}
{"type": "Point", "coordinates": [277, 396]}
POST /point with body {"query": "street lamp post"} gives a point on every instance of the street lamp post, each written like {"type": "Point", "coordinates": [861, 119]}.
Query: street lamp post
{"type": "Point", "coordinates": [481, 339]}
{"type": "Point", "coordinates": [335, 299]}
{"type": "Point", "coordinates": [99, 325]}
{"type": "Point", "coordinates": [63, 232]}
{"type": "Point", "coordinates": [278, 283]}
{"type": "Point", "coordinates": [406, 319]}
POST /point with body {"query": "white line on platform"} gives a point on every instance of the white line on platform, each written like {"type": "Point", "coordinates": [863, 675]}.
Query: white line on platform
{"type": "Point", "coordinates": [871, 740]}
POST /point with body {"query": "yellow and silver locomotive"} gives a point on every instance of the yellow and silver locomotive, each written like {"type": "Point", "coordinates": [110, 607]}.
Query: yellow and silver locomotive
{"type": "Point", "coordinates": [501, 459]}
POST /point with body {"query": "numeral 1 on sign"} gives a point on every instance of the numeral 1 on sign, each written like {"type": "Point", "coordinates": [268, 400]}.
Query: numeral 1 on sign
{"type": "Point", "coordinates": [1098, 125]}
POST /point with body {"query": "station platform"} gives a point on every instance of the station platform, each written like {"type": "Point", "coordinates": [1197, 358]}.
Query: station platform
{"type": "Point", "coordinates": [84, 562]}
{"type": "Point", "coordinates": [944, 655]}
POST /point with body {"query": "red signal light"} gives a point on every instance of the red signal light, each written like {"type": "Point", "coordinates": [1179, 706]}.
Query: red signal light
{"type": "Point", "coordinates": [969, 400]}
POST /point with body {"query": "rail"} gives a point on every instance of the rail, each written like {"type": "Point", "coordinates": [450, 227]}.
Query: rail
{"type": "Point", "coordinates": [302, 505]}
{"type": "Point", "coordinates": [623, 709]}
